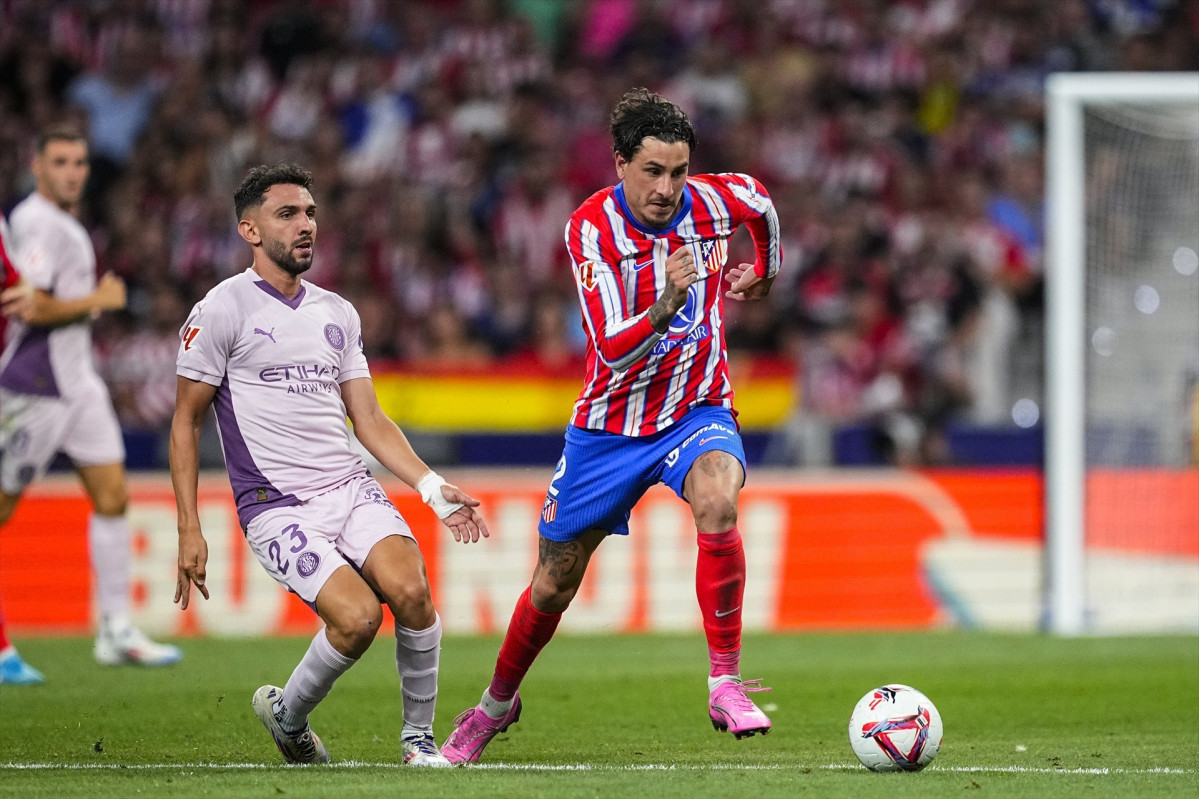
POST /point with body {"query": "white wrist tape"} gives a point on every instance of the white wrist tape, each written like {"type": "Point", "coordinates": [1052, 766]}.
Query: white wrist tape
{"type": "Point", "coordinates": [429, 487]}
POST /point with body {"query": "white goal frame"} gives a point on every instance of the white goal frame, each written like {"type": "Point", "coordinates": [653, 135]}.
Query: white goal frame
{"type": "Point", "coordinates": [1065, 305]}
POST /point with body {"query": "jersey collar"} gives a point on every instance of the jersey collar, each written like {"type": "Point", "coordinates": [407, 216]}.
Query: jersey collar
{"type": "Point", "coordinates": [627, 213]}
{"type": "Point", "coordinates": [293, 303]}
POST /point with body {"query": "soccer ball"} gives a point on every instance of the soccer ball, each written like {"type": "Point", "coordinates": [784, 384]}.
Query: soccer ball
{"type": "Point", "coordinates": [895, 728]}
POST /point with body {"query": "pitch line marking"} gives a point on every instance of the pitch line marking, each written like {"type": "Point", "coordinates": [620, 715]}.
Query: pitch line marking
{"type": "Point", "coordinates": [1095, 771]}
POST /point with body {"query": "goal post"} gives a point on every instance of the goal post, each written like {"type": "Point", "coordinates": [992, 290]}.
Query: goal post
{"type": "Point", "coordinates": [1136, 100]}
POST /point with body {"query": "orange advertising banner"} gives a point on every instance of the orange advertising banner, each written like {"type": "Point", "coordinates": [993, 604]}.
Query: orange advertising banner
{"type": "Point", "coordinates": [824, 550]}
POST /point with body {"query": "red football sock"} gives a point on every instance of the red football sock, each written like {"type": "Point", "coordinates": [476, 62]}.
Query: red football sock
{"type": "Point", "coordinates": [528, 633]}
{"type": "Point", "coordinates": [720, 587]}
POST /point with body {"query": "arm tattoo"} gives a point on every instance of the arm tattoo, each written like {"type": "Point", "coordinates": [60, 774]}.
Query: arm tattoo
{"type": "Point", "coordinates": [660, 315]}
{"type": "Point", "coordinates": [558, 558]}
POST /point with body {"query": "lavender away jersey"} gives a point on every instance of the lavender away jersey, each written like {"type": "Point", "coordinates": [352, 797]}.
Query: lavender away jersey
{"type": "Point", "coordinates": [277, 365]}
{"type": "Point", "coordinates": [56, 255]}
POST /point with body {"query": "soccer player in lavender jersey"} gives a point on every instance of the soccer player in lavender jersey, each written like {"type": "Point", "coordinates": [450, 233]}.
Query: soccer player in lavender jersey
{"type": "Point", "coordinates": [51, 397]}
{"type": "Point", "coordinates": [656, 405]}
{"type": "Point", "coordinates": [281, 361]}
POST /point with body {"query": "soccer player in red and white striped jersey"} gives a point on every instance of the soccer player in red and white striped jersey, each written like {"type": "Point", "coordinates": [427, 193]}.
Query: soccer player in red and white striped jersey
{"type": "Point", "coordinates": [13, 670]}
{"type": "Point", "coordinates": [657, 406]}
{"type": "Point", "coordinates": [646, 370]}
{"type": "Point", "coordinates": [13, 302]}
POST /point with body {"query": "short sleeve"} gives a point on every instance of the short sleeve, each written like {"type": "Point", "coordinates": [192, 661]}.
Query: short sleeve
{"type": "Point", "coordinates": [206, 340]}
{"type": "Point", "coordinates": [35, 254]}
{"type": "Point", "coordinates": [353, 359]}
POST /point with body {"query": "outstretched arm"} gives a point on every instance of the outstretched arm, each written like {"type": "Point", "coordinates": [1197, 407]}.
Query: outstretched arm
{"type": "Point", "coordinates": [753, 203]}
{"type": "Point", "coordinates": [43, 309]}
{"type": "Point", "coordinates": [192, 399]}
{"type": "Point", "coordinates": [384, 440]}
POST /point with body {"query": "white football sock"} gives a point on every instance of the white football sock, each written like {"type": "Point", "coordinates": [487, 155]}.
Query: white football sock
{"type": "Point", "coordinates": [493, 707]}
{"type": "Point", "coordinates": [311, 681]}
{"type": "Point", "coordinates": [418, 653]}
{"type": "Point", "coordinates": [108, 540]}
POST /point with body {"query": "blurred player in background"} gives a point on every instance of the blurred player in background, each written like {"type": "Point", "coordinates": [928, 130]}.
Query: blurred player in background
{"type": "Point", "coordinates": [51, 397]}
{"type": "Point", "coordinates": [13, 670]}
{"type": "Point", "coordinates": [657, 406]}
{"type": "Point", "coordinates": [281, 361]}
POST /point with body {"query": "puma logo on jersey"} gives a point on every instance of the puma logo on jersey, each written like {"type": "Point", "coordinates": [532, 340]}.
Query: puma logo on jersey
{"type": "Point", "coordinates": [270, 335]}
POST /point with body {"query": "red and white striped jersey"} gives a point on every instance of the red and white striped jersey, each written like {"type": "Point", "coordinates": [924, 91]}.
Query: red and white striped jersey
{"type": "Point", "coordinates": [8, 275]}
{"type": "Point", "coordinates": [640, 381]}
{"type": "Point", "coordinates": [8, 271]}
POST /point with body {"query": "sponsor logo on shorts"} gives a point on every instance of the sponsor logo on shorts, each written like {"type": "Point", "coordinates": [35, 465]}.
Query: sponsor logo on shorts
{"type": "Point", "coordinates": [377, 496]}
{"type": "Point", "coordinates": [261, 494]}
{"type": "Point", "coordinates": [335, 336]}
{"type": "Point", "coordinates": [549, 511]}
{"type": "Point", "coordinates": [715, 427]}
{"type": "Point", "coordinates": [307, 563]}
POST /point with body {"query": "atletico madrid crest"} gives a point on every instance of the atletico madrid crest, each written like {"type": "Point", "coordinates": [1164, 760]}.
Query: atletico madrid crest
{"type": "Point", "coordinates": [549, 511]}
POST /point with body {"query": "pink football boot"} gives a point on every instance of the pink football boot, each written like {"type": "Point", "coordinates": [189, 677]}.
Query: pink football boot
{"type": "Point", "coordinates": [730, 709]}
{"type": "Point", "coordinates": [474, 729]}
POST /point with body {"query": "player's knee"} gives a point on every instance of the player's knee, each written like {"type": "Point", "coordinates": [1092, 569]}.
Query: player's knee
{"type": "Point", "coordinates": [352, 630]}
{"type": "Point", "coordinates": [410, 600]}
{"type": "Point", "coordinates": [550, 596]}
{"type": "Point", "coordinates": [714, 513]}
{"type": "Point", "coordinates": [112, 503]}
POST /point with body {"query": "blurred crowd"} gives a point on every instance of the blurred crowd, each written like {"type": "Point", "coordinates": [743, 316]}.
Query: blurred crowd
{"type": "Point", "coordinates": [451, 139]}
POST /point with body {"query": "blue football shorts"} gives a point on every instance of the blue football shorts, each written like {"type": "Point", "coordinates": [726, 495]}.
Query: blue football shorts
{"type": "Point", "coordinates": [601, 476]}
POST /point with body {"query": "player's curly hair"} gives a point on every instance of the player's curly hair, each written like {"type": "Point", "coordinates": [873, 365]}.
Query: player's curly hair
{"type": "Point", "coordinates": [260, 178]}
{"type": "Point", "coordinates": [642, 113]}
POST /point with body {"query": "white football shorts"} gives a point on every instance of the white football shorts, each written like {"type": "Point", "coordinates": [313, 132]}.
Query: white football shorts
{"type": "Point", "coordinates": [302, 545]}
{"type": "Point", "coordinates": [33, 429]}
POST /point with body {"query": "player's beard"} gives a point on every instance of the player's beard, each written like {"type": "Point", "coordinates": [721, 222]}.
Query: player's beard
{"type": "Point", "coordinates": [282, 256]}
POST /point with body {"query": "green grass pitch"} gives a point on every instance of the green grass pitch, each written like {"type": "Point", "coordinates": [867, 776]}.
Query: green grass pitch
{"type": "Point", "coordinates": [624, 716]}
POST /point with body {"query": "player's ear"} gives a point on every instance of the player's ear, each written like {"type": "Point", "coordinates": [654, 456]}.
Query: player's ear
{"type": "Point", "coordinates": [249, 231]}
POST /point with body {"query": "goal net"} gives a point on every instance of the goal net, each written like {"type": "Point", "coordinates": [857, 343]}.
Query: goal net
{"type": "Point", "coordinates": [1122, 277]}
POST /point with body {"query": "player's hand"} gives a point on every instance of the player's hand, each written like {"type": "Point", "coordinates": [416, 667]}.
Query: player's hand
{"type": "Point", "coordinates": [746, 284]}
{"type": "Point", "coordinates": [465, 523]}
{"type": "Point", "coordinates": [110, 293]}
{"type": "Point", "coordinates": [193, 560]}
{"type": "Point", "coordinates": [17, 301]}
{"type": "Point", "coordinates": [682, 272]}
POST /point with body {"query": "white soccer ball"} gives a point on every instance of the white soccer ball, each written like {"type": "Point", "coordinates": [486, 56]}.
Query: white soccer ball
{"type": "Point", "coordinates": [895, 728]}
